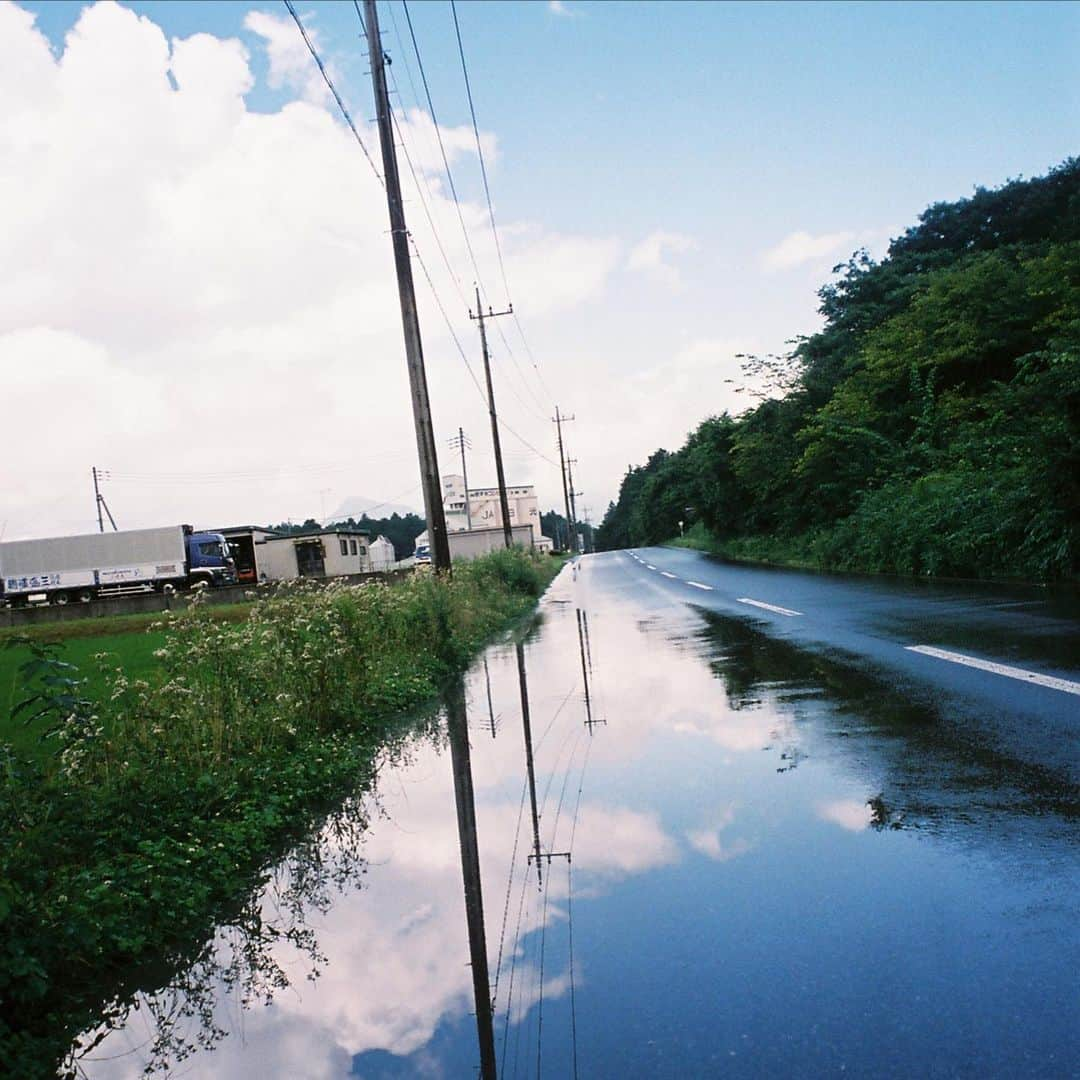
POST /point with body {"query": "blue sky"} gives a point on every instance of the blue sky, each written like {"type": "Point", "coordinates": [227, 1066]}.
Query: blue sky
{"type": "Point", "coordinates": [728, 127]}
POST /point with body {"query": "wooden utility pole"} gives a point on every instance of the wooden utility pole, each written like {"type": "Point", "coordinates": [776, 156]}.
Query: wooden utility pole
{"type": "Point", "coordinates": [97, 500]}
{"type": "Point", "coordinates": [500, 476]}
{"type": "Point", "coordinates": [414, 351]}
{"type": "Point", "coordinates": [573, 497]}
{"type": "Point", "coordinates": [461, 441]}
{"type": "Point", "coordinates": [100, 475]}
{"type": "Point", "coordinates": [558, 421]}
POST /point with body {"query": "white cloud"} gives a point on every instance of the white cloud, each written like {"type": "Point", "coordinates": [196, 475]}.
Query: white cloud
{"type": "Point", "coordinates": [801, 247]}
{"type": "Point", "coordinates": [557, 7]}
{"type": "Point", "coordinates": [291, 65]}
{"type": "Point", "coordinates": [194, 287]}
{"type": "Point", "coordinates": [650, 256]}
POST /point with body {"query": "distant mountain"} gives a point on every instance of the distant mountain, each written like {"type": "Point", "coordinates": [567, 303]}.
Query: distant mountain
{"type": "Point", "coordinates": [356, 506]}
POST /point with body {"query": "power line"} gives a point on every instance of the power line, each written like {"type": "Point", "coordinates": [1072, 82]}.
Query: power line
{"type": "Point", "coordinates": [454, 193]}
{"type": "Point", "coordinates": [479, 150]}
{"type": "Point", "coordinates": [442, 147]}
{"type": "Point", "coordinates": [333, 89]}
{"type": "Point", "coordinates": [449, 175]}
{"type": "Point", "coordinates": [487, 195]}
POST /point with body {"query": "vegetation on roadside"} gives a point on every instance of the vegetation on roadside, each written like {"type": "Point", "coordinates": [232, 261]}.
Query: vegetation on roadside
{"type": "Point", "coordinates": [931, 427]}
{"type": "Point", "coordinates": [168, 796]}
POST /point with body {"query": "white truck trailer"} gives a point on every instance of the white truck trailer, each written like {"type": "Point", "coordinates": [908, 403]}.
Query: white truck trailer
{"type": "Point", "coordinates": [64, 568]}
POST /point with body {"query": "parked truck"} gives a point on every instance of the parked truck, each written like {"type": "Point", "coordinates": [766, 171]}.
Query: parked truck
{"type": "Point", "coordinates": [62, 569]}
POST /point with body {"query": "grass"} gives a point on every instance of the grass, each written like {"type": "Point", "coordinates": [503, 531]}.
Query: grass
{"type": "Point", "coordinates": [130, 641]}
{"type": "Point", "coordinates": [163, 802]}
{"type": "Point", "coordinates": [773, 550]}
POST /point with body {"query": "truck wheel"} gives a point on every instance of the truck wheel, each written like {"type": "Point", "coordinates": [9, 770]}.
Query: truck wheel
{"type": "Point", "coordinates": [85, 596]}
{"type": "Point", "coordinates": [60, 598]}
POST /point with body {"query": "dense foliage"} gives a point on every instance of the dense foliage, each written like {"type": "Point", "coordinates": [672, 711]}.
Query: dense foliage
{"type": "Point", "coordinates": [169, 797]}
{"type": "Point", "coordinates": [553, 525]}
{"type": "Point", "coordinates": [932, 425]}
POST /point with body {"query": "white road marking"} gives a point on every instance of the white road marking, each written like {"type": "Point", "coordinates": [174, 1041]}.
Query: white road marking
{"type": "Point", "coordinates": [1065, 685]}
{"type": "Point", "coordinates": [698, 585]}
{"type": "Point", "coordinates": [666, 574]}
{"type": "Point", "coordinates": [649, 566]}
{"type": "Point", "coordinates": [768, 607]}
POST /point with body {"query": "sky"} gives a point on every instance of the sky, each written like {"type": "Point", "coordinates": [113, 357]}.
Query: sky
{"type": "Point", "coordinates": [200, 295]}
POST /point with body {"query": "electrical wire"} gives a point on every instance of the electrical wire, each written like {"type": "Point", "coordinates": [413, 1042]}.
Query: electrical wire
{"type": "Point", "coordinates": [348, 118]}
{"type": "Point", "coordinates": [333, 89]}
{"type": "Point", "coordinates": [487, 195]}
{"type": "Point", "coordinates": [442, 146]}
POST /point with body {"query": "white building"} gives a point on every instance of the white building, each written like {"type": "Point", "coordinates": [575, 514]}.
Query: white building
{"type": "Point", "coordinates": [484, 510]}
{"type": "Point", "coordinates": [262, 555]}
{"type": "Point", "coordinates": [382, 554]}
{"type": "Point", "coordinates": [466, 544]}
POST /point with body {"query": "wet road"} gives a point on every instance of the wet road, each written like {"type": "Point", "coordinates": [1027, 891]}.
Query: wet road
{"type": "Point", "coordinates": [685, 836]}
{"type": "Point", "coordinates": [1003, 662]}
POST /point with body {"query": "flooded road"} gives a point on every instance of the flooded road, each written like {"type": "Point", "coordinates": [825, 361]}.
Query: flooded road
{"type": "Point", "coordinates": [688, 848]}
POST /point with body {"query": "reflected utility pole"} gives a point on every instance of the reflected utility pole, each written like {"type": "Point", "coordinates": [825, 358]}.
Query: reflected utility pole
{"type": "Point", "coordinates": [586, 667]}
{"type": "Point", "coordinates": [526, 724]}
{"type": "Point", "coordinates": [458, 729]}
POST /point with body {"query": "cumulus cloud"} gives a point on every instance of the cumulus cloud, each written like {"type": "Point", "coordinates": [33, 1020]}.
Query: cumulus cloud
{"type": "Point", "coordinates": [195, 287]}
{"type": "Point", "coordinates": [651, 256]}
{"type": "Point", "coordinates": [290, 62]}
{"type": "Point", "coordinates": [802, 247]}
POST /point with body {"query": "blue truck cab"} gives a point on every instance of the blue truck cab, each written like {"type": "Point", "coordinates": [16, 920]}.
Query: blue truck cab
{"type": "Point", "coordinates": [209, 559]}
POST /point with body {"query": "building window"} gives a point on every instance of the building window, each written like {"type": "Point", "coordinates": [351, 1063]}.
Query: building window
{"type": "Point", "coordinates": [344, 546]}
{"type": "Point", "coordinates": [352, 546]}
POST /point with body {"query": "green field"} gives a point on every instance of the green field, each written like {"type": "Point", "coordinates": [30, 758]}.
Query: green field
{"type": "Point", "coordinates": [128, 639]}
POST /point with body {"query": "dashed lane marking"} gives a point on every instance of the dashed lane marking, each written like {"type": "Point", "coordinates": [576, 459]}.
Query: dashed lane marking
{"type": "Point", "coordinates": [649, 566]}
{"type": "Point", "coordinates": [1067, 686]}
{"type": "Point", "coordinates": [666, 574]}
{"type": "Point", "coordinates": [698, 585]}
{"type": "Point", "coordinates": [768, 607]}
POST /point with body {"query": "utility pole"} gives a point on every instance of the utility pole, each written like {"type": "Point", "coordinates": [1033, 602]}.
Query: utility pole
{"type": "Point", "coordinates": [504, 504]}
{"type": "Point", "coordinates": [100, 474]}
{"type": "Point", "coordinates": [461, 441]}
{"type": "Point", "coordinates": [573, 497]}
{"type": "Point", "coordinates": [97, 500]}
{"type": "Point", "coordinates": [588, 522]}
{"type": "Point", "coordinates": [414, 350]}
{"type": "Point", "coordinates": [558, 421]}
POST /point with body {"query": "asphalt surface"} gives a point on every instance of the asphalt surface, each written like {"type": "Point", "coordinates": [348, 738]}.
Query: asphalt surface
{"type": "Point", "coordinates": [1023, 698]}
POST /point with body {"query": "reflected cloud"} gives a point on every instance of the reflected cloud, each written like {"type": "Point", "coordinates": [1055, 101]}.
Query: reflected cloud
{"type": "Point", "coordinates": [850, 814]}
{"type": "Point", "coordinates": [616, 841]}
{"type": "Point", "coordinates": [708, 841]}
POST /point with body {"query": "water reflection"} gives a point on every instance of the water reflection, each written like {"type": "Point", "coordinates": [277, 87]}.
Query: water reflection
{"type": "Point", "coordinates": [780, 864]}
{"type": "Point", "coordinates": [457, 725]}
{"type": "Point", "coordinates": [931, 770]}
